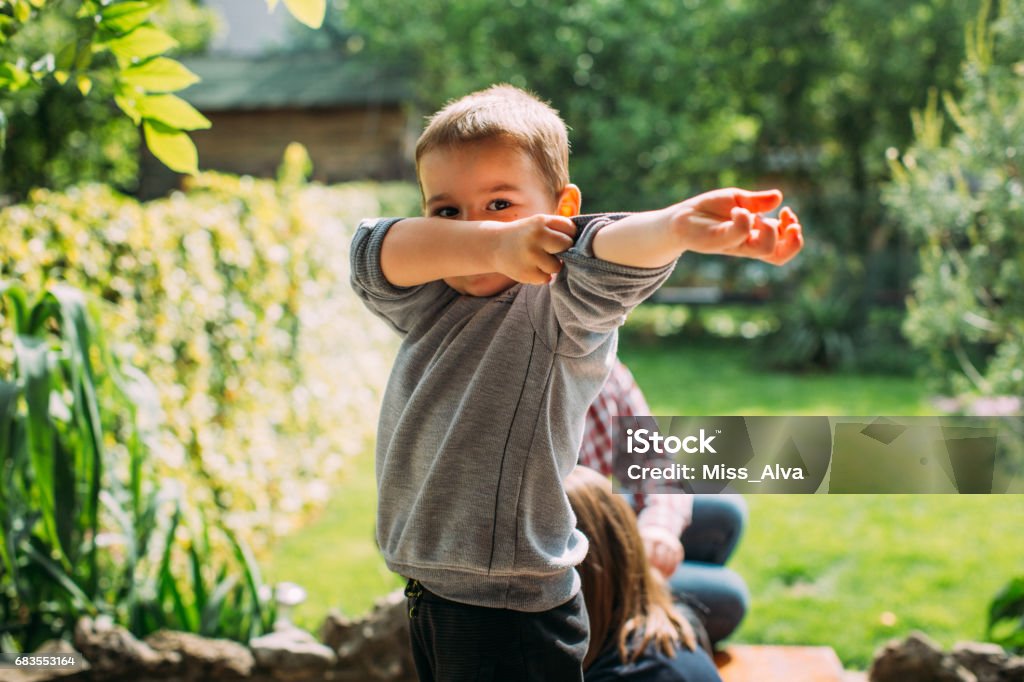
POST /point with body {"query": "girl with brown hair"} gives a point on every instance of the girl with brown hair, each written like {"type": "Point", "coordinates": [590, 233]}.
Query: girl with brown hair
{"type": "Point", "coordinates": [636, 633]}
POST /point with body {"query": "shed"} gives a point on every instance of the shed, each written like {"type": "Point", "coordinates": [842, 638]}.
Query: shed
{"type": "Point", "coordinates": [349, 113]}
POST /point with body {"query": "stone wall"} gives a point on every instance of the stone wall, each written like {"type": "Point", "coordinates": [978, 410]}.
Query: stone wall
{"type": "Point", "coordinates": [374, 648]}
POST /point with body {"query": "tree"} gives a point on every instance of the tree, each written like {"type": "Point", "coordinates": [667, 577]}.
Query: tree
{"type": "Point", "coordinates": [962, 201]}
{"type": "Point", "coordinates": [668, 98]}
{"type": "Point", "coordinates": [70, 58]}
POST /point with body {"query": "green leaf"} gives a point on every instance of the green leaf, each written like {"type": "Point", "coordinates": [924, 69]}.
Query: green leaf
{"type": "Point", "coordinates": [81, 600]}
{"type": "Point", "coordinates": [66, 56]}
{"type": "Point", "coordinates": [173, 147]}
{"type": "Point", "coordinates": [88, 9]}
{"type": "Point", "coordinates": [15, 294]}
{"type": "Point", "coordinates": [309, 12]}
{"type": "Point", "coordinates": [159, 75]}
{"type": "Point", "coordinates": [125, 16]}
{"type": "Point", "coordinates": [126, 101]}
{"type": "Point", "coordinates": [172, 111]}
{"type": "Point", "coordinates": [13, 77]}
{"type": "Point", "coordinates": [22, 10]}
{"type": "Point", "coordinates": [253, 580]}
{"type": "Point", "coordinates": [142, 43]}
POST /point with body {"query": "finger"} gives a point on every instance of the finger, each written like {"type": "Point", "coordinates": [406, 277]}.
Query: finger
{"type": "Point", "coordinates": [554, 242]}
{"type": "Point", "coordinates": [561, 224]}
{"type": "Point", "coordinates": [738, 231]}
{"type": "Point", "coordinates": [758, 202]}
{"type": "Point", "coordinates": [789, 246]}
{"type": "Point", "coordinates": [547, 264]}
{"type": "Point", "coordinates": [764, 236]}
{"type": "Point", "coordinates": [786, 218]}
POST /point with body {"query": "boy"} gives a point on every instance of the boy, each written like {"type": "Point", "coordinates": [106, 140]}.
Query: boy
{"type": "Point", "coordinates": [508, 314]}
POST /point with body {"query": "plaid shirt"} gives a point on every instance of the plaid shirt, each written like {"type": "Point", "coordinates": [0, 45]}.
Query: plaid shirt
{"type": "Point", "coordinates": [621, 397]}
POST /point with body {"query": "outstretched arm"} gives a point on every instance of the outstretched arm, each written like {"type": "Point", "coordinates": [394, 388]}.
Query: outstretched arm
{"type": "Point", "coordinates": [724, 221]}
{"type": "Point", "coordinates": [419, 250]}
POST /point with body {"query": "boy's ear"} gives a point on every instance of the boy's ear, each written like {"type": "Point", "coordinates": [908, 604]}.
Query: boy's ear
{"type": "Point", "coordinates": [569, 201]}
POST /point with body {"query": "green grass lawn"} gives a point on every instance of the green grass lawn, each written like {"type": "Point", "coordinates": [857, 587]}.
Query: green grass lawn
{"type": "Point", "coordinates": [847, 571]}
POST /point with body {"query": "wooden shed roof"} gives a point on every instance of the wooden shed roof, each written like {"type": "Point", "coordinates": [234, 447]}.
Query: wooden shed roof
{"type": "Point", "coordinates": [290, 80]}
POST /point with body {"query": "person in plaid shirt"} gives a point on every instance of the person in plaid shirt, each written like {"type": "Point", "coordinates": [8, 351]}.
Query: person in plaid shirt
{"type": "Point", "coordinates": [688, 538]}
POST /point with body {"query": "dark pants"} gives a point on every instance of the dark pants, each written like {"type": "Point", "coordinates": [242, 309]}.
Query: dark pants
{"type": "Point", "coordinates": [708, 542]}
{"type": "Point", "coordinates": [454, 642]}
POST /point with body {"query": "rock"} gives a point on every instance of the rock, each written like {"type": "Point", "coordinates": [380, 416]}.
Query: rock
{"type": "Point", "coordinates": [917, 659]}
{"type": "Point", "coordinates": [985, 660]}
{"type": "Point", "coordinates": [203, 658]}
{"type": "Point", "coordinates": [114, 653]}
{"type": "Point", "coordinates": [292, 653]}
{"type": "Point", "coordinates": [376, 647]}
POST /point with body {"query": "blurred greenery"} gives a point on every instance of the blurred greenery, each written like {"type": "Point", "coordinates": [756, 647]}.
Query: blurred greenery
{"type": "Point", "coordinates": [86, 525]}
{"type": "Point", "coordinates": [63, 126]}
{"type": "Point", "coordinates": [63, 58]}
{"type": "Point", "coordinates": [233, 298]}
{"type": "Point", "coordinates": [666, 99]}
{"type": "Point", "coordinates": [961, 200]}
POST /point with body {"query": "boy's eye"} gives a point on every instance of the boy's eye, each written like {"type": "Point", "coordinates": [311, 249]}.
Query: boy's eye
{"type": "Point", "coordinates": [446, 212]}
{"type": "Point", "coordinates": [498, 205]}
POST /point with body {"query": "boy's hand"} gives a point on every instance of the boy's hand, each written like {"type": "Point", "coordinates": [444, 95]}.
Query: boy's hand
{"type": "Point", "coordinates": [525, 247]}
{"type": "Point", "coordinates": [727, 221]}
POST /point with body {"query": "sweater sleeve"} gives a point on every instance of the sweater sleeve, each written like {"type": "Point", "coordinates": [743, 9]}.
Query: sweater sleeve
{"type": "Point", "coordinates": [590, 297]}
{"type": "Point", "coordinates": [400, 307]}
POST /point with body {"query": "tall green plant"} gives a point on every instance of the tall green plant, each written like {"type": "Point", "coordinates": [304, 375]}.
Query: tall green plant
{"type": "Point", "coordinates": [85, 527]}
{"type": "Point", "coordinates": [962, 200]}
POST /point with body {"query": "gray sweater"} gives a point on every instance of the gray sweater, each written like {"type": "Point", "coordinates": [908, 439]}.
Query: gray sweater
{"type": "Point", "coordinates": [482, 420]}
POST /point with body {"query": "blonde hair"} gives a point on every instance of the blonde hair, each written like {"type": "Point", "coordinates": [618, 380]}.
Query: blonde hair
{"type": "Point", "coordinates": [628, 604]}
{"type": "Point", "coordinates": [505, 113]}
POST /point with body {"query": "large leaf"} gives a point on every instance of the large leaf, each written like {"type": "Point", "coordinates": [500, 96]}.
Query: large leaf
{"type": "Point", "coordinates": [172, 111]}
{"type": "Point", "coordinates": [309, 12]}
{"type": "Point", "coordinates": [173, 147]}
{"type": "Point", "coordinates": [9, 393]}
{"type": "Point", "coordinates": [159, 74]}
{"type": "Point", "coordinates": [33, 362]}
{"type": "Point", "coordinates": [87, 467]}
{"type": "Point", "coordinates": [125, 16]}
{"type": "Point", "coordinates": [17, 300]}
{"type": "Point", "coordinates": [61, 578]}
{"type": "Point", "coordinates": [142, 43]}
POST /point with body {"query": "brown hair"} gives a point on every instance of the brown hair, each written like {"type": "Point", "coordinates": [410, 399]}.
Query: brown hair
{"type": "Point", "coordinates": [628, 603]}
{"type": "Point", "coordinates": [504, 112]}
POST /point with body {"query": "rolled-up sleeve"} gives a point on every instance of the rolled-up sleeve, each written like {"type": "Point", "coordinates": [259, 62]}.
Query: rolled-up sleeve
{"type": "Point", "coordinates": [400, 307]}
{"type": "Point", "coordinates": [591, 297]}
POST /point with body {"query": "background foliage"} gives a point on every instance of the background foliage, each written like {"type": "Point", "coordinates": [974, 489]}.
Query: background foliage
{"type": "Point", "coordinates": [85, 526]}
{"type": "Point", "coordinates": [234, 300]}
{"type": "Point", "coordinates": [64, 64]}
{"type": "Point", "coordinates": [666, 99]}
{"type": "Point", "coordinates": [962, 202]}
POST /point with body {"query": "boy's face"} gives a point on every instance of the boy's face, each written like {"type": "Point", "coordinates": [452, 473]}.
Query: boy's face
{"type": "Point", "coordinates": [488, 180]}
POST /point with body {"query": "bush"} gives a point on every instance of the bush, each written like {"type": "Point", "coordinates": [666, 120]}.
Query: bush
{"type": "Point", "coordinates": [234, 299]}
{"type": "Point", "coordinates": [962, 200]}
{"type": "Point", "coordinates": [85, 526]}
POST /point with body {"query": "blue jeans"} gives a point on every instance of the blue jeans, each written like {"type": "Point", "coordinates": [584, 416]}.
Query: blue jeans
{"type": "Point", "coordinates": [708, 542]}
